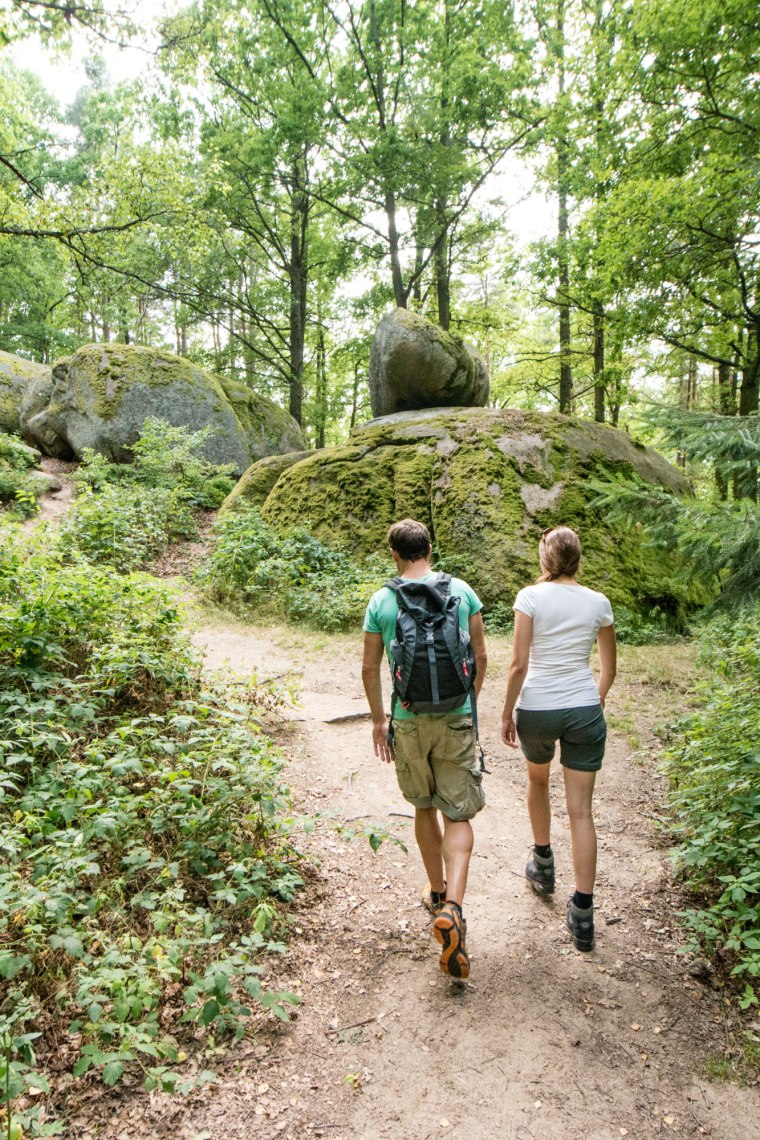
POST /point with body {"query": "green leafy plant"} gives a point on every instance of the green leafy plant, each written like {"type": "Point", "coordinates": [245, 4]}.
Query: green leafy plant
{"type": "Point", "coordinates": [714, 770]}
{"type": "Point", "coordinates": [127, 514]}
{"type": "Point", "coordinates": [287, 574]}
{"type": "Point", "coordinates": [145, 865]}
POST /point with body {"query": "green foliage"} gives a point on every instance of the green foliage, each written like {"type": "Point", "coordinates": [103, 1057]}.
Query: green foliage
{"type": "Point", "coordinates": [718, 543]}
{"type": "Point", "coordinates": [143, 865]}
{"type": "Point", "coordinates": [16, 454]}
{"type": "Point", "coordinates": [126, 514]}
{"type": "Point", "coordinates": [288, 573]}
{"type": "Point", "coordinates": [714, 769]}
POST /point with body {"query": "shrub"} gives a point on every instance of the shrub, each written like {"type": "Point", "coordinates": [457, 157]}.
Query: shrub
{"type": "Point", "coordinates": [714, 770]}
{"type": "Point", "coordinates": [127, 514]}
{"type": "Point", "coordinates": [142, 864]}
{"type": "Point", "coordinates": [124, 526]}
{"type": "Point", "coordinates": [287, 574]}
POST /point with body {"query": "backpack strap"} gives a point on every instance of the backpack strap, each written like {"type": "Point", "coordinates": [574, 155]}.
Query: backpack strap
{"type": "Point", "coordinates": [474, 710]}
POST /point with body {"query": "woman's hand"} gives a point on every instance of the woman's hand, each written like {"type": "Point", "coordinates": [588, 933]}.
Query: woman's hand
{"type": "Point", "coordinates": [508, 730]}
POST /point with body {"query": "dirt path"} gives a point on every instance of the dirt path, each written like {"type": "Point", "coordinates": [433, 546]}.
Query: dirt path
{"type": "Point", "coordinates": [542, 1042]}
{"type": "Point", "coordinates": [54, 504]}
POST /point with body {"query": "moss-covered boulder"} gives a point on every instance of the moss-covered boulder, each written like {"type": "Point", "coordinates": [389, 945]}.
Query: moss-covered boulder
{"type": "Point", "coordinates": [269, 429]}
{"type": "Point", "coordinates": [18, 378]}
{"type": "Point", "coordinates": [101, 395]}
{"type": "Point", "coordinates": [486, 482]}
{"type": "Point", "coordinates": [254, 487]}
{"type": "Point", "coordinates": [415, 364]}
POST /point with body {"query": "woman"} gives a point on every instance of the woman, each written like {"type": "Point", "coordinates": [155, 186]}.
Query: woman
{"type": "Point", "coordinates": [552, 695]}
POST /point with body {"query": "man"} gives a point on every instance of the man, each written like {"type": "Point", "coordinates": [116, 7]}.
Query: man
{"type": "Point", "coordinates": [434, 753]}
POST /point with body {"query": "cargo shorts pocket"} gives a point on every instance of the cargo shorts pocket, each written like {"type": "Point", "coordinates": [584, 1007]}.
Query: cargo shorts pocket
{"type": "Point", "coordinates": [460, 781]}
{"type": "Point", "coordinates": [412, 770]}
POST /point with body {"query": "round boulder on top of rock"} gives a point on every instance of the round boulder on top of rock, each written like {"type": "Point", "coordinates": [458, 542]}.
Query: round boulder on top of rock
{"type": "Point", "coordinates": [415, 364]}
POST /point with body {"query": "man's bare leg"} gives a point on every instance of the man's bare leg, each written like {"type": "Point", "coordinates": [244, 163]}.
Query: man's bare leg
{"type": "Point", "coordinates": [457, 849]}
{"type": "Point", "coordinates": [427, 832]}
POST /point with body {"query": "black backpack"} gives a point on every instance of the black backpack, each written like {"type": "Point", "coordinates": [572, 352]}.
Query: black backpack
{"type": "Point", "coordinates": [432, 662]}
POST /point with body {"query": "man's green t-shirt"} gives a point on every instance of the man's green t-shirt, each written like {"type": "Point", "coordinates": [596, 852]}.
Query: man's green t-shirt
{"type": "Point", "coordinates": [382, 612]}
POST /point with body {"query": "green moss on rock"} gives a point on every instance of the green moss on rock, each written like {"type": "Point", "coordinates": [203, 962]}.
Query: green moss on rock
{"type": "Point", "coordinates": [486, 482]}
{"type": "Point", "coordinates": [17, 376]}
{"type": "Point", "coordinates": [254, 487]}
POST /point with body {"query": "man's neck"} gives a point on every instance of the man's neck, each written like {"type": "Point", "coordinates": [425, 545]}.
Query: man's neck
{"type": "Point", "coordinates": [418, 569]}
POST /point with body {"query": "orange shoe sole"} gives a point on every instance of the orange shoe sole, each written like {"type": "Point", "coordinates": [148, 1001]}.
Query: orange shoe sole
{"type": "Point", "coordinates": [448, 929]}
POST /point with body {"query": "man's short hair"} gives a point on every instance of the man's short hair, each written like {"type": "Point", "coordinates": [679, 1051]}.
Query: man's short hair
{"type": "Point", "coordinates": [410, 540]}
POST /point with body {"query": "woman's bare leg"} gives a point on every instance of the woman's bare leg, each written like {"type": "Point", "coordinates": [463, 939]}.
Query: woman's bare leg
{"type": "Point", "coordinates": [539, 808]}
{"type": "Point", "coordinates": [579, 790]}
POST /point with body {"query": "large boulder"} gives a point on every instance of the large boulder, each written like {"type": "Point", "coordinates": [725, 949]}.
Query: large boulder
{"type": "Point", "coordinates": [486, 482]}
{"type": "Point", "coordinates": [257, 482]}
{"type": "Point", "coordinates": [101, 395]}
{"type": "Point", "coordinates": [18, 377]}
{"type": "Point", "coordinates": [415, 364]}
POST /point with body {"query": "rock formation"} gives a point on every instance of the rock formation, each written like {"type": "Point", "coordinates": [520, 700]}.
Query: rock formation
{"type": "Point", "coordinates": [101, 395]}
{"type": "Point", "coordinates": [486, 482]}
{"type": "Point", "coordinates": [415, 364]}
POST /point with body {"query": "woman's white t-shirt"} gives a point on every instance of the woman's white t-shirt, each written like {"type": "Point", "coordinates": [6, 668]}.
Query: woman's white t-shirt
{"type": "Point", "coordinates": [566, 620]}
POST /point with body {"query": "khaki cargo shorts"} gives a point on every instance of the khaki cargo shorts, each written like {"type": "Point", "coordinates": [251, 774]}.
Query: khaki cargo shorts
{"type": "Point", "coordinates": [436, 765]}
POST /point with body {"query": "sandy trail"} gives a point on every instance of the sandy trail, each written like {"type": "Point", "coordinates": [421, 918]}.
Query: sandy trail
{"type": "Point", "coordinates": [542, 1042]}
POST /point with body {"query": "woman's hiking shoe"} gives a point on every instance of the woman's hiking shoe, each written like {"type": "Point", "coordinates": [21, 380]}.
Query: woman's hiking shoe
{"type": "Point", "coordinates": [539, 872]}
{"type": "Point", "coordinates": [434, 900]}
{"type": "Point", "coordinates": [580, 923]}
{"type": "Point", "coordinates": [450, 930]}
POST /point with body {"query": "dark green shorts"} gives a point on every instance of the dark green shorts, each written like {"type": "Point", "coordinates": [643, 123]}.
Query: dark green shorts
{"type": "Point", "coordinates": [436, 765]}
{"type": "Point", "coordinates": [581, 733]}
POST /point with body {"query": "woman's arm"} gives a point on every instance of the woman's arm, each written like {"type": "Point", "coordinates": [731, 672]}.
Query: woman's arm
{"type": "Point", "coordinates": [517, 670]}
{"type": "Point", "coordinates": [607, 643]}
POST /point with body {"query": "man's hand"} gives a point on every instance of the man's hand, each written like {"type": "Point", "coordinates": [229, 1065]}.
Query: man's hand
{"type": "Point", "coordinates": [383, 750]}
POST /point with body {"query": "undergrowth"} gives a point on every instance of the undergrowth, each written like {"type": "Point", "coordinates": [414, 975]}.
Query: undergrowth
{"type": "Point", "coordinates": [144, 860]}
{"type": "Point", "coordinates": [125, 515]}
{"type": "Point", "coordinates": [287, 574]}
{"type": "Point", "coordinates": [714, 768]}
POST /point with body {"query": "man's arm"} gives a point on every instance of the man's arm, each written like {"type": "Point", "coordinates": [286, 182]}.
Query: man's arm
{"type": "Point", "coordinates": [372, 660]}
{"type": "Point", "coordinates": [478, 642]}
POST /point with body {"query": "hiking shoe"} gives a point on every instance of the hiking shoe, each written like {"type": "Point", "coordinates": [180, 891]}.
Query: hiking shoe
{"type": "Point", "coordinates": [450, 930]}
{"type": "Point", "coordinates": [580, 923]}
{"type": "Point", "coordinates": [434, 900]}
{"type": "Point", "coordinates": [539, 871]}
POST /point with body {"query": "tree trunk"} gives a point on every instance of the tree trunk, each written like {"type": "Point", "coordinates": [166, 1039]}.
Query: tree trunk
{"type": "Point", "coordinates": [400, 294]}
{"type": "Point", "coordinates": [687, 397]}
{"type": "Point", "coordinates": [599, 384]}
{"type": "Point", "coordinates": [726, 401]}
{"type": "Point", "coordinates": [298, 280]}
{"type": "Point", "coordinates": [442, 272]}
{"type": "Point", "coordinates": [355, 395]}
{"type": "Point", "coordinates": [563, 292]}
{"type": "Point", "coordinates": [320, 419]}
{"type": "Point", "coordinates": [749, 392]}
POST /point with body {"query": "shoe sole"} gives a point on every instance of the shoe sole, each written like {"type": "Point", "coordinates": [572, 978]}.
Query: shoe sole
{"type": "Point", "coordinates": [539, 887]}
{"type": "Point", "coordinates": [453, 960]}
{"type": "Point", "coordinates": [583, 944]}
